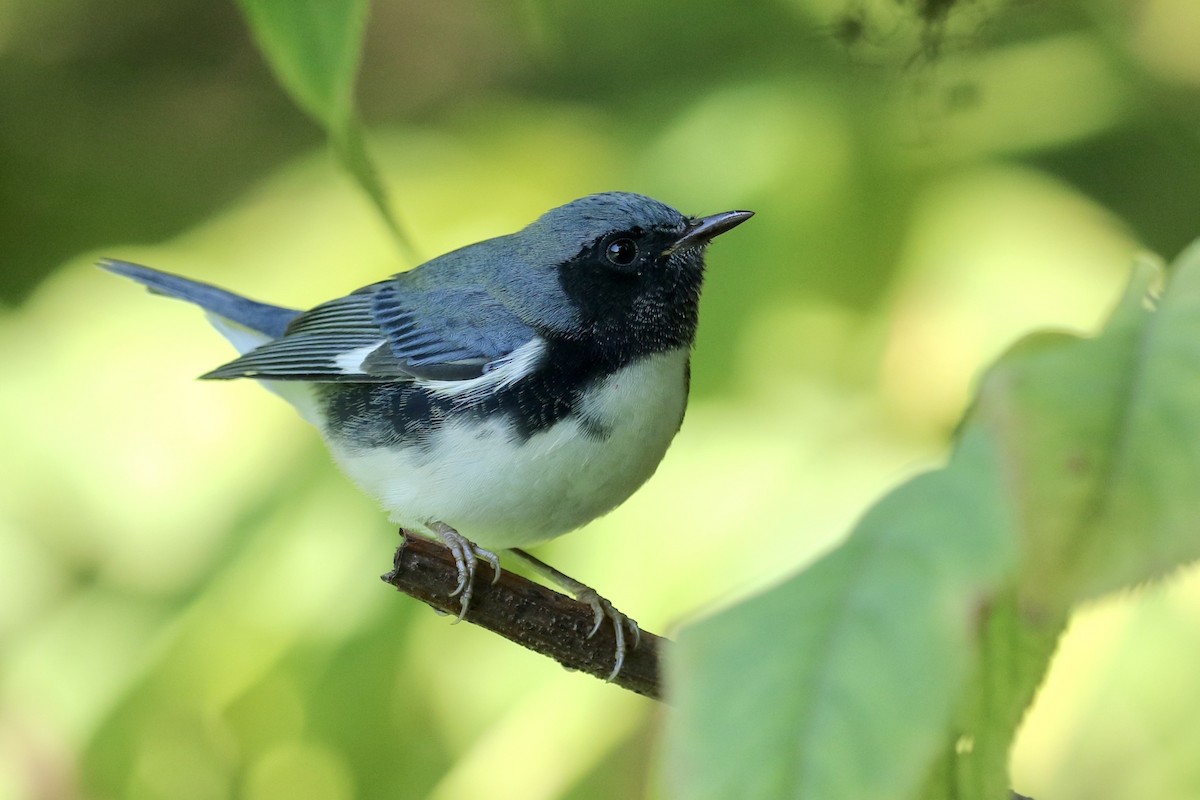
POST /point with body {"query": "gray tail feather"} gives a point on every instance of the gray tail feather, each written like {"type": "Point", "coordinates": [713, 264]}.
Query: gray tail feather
{"type": "Point", "coordinates": [264, 318]}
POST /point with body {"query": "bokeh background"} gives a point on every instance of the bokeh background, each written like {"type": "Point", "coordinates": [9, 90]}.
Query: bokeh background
{"type": "Point", "coordinates": [189, 605]}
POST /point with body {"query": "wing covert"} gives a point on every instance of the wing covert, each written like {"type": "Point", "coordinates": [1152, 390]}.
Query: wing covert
{"type": "Point", "coordinates": [386, 332]}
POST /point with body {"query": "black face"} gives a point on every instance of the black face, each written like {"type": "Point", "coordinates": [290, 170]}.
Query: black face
{"type": "Point", "coordinates": [633, 299]}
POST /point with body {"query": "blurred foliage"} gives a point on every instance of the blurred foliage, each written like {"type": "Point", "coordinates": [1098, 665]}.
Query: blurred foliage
{"type": "Point", "coordinates": [315, 48]}
{"type": "Point", "coordinates": [187, 601]}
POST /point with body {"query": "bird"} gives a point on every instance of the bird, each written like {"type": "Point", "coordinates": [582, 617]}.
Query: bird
{"type": "Point", "coordinates": [499, 395]}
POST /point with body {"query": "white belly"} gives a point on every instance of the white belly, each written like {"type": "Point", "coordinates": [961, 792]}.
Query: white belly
{"type": "Point", "coordinates": [501, 493]}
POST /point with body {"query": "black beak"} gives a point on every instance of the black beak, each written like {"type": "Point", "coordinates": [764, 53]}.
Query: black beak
{"type": "Point", "coordinates": [701, 231]}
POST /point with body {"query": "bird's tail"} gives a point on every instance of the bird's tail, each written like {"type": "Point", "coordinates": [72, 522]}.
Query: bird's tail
{"type": "Point", "coordinates": [267, 320]}
{"type": "Point", "coordinates": [246, 323]}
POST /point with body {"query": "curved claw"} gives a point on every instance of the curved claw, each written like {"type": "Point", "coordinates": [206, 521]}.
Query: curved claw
{"type": "Point", "coordinates": [465, 566]}
{"type": "Point", "coordinates": [602, 609]}
{"type": "Point", "coordinates": [493, 559]}
{"type": "Point", "coordinates": [466, 558]}
{"type": "Point", "coordinates": [598, 611]}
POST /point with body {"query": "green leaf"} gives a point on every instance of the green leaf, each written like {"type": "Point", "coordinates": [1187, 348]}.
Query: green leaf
{"type": "Point", "coordinates": [1014, 653]}
{"type": "Point", "coordinates": [1101, 445]}
{"type": "Point", "coordinates": [351, 150]}
{"type": "Point", "coordinates": [900, 665]}
{"type": "Point", "coordinates": [842, 682]}
{"type": "Point", "coordinates": [314, 48]}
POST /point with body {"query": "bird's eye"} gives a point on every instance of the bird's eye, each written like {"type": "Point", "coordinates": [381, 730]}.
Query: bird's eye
{"type": "Point", "coordinates": [622, 252]}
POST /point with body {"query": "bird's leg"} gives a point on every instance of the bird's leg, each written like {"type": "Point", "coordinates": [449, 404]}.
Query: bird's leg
{"type": "Point", "coordinates": [601, 608]}
{"type": "Point", "coordinates": [466, 555]}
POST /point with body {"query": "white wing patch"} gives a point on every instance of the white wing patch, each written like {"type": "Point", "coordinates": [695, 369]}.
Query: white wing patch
{"type": "Point", "coordinates": [351, 361]}
{"type": "Point", "coordinates": [504, 372]}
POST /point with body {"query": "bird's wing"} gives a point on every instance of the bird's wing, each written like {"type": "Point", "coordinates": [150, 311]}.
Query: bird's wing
{"type": "Point", "coordinates": [392, 331]}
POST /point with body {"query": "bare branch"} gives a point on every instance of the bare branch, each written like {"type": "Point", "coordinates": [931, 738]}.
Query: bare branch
{"type": "Point", "coordinates": [527, 613]}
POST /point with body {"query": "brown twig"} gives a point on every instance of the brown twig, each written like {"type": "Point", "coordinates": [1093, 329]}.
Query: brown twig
{"type": "Point", "coordinates": [527, 613]}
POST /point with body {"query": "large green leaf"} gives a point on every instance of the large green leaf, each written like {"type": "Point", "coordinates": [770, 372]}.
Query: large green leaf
{"type": "Point", "coordinates": [1101, 444]}
{"type": "Point", "coordinates": [841, 682]}
{"type": "Point", "coordinates": [314, 47]}
{"type": "Point", "coordinates": [900, 665]}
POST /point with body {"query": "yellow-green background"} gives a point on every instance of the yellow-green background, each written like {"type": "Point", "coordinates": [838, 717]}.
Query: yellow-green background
{"type": "Point", "coordinates": [189, 605]}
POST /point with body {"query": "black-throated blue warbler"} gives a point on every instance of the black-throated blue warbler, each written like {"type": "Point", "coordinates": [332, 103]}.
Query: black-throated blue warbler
{"type": "Point", "coordinates": [504, 393]}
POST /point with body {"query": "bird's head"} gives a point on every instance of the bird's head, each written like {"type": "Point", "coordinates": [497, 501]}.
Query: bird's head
{"type": "Point", "coordinates": [628, 267]}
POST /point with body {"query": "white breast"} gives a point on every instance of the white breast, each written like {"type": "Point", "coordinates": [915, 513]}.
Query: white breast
{"type": "Point", "coordinates": [503, 493]}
